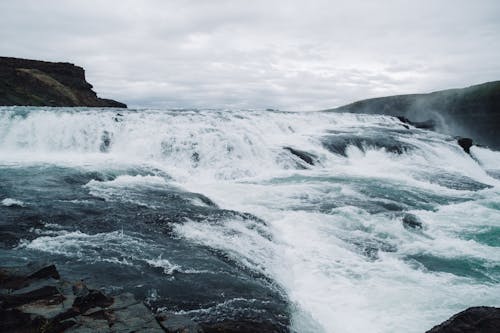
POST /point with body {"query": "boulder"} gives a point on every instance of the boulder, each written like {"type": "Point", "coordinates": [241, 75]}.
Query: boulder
{"type": "Point", "coordinates": [411, 221]}
{"type": "Point", "coordinates": [480, 319]}
{"type": "Point", "coordinates": [465, 143]}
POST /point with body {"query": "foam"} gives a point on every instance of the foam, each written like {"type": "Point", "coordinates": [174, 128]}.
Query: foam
{"type": "Point", "coordinates": [9, 202]}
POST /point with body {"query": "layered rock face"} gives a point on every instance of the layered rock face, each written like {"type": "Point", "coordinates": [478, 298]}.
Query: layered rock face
{"type": "Point", "coordinates": [41, 83]}
{"type": "Point", "coordinates": [470, 112]}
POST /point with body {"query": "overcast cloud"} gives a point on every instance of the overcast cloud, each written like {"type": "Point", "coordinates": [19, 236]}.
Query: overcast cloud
{"type": "Point", "coordinates": [259, 54]}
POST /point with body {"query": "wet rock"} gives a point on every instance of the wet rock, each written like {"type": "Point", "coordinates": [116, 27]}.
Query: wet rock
{"type": "Point", "coordinates": [473, 320]}
{"type": "Point", "coordinates": [105, 141]}
{"type": "Point", "coordinates": [429, 124]}
{"type": "Point", "coordinates": [94, 298]}
{"type": "Point", "coordinates": [43, 303]}
{"type": "Point", "coordinates": [46, 304]}
{"type": "Point", "coordinates": [14, 320]}
{"type": "Point", "coordinates": [303, 155]}
{"type": "Point", "coordinates": [45, 272]}
{"type": "Point", "coordinates": [243, 327]}
{"type": "Point", "coordinates": [339, 143]}
{"type": "Point", "coordinates": [20, 278]}
{"type": "Point", "coordinates": [411, 221]}
{"type": "Point", "coordinates": [118, 117]}
{"type": "Point", "coordinates": [174, 323]}
{"type": "Point", "coordinates": [465, 143]}
{"type": "Point", "coordinates": [48, 294]}
{"type": "Point", "coordinates": [79, 289]}
{"type": "Point", "coordinates": [371, 247]}
{"type": "Point", "coordinates": [195, 157]}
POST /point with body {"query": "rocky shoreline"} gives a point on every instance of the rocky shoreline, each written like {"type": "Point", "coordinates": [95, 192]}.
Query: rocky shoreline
{"type": "Point", "coordinates": [40, 301]}
{"type": "Point", "coordinates": [37, 299]}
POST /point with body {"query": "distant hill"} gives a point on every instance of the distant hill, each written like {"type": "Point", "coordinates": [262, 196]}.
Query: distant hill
{"type": "Point", "coordinates": [42, 83]}
{"type": "Point", "coordinates": [469, 112]}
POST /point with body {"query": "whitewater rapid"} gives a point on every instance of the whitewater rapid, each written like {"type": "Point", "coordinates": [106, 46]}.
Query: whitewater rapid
{"type": "Point", "coordinates": [332, 236]}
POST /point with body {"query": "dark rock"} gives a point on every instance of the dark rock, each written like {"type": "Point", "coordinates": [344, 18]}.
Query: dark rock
{"type": "Point", "coordinates": [45, 304]}
{"type": "Point", "coordinates": [80, 289]}
{"type": "Point", "coordinates": [242, 327]}
{"type": "Point", "coordinates": [94, 298]}
{"type": "Point", "coordinates": [45, 273]}
{"type": "Point", "coordinates": [118, 118]}
{"type": "Point", "coordinates": [469, 112]}
{"type": "Point", "coordinates": [174, 323]}
{"type": "Point", "coordinates": [411, 221]}
{"type": "Point", "coordinates": [16, 321]}
{"type": "Point", "coordinates": [134, 318]}
{"type": "Point", "coordinates": [303, 155]}
{"type": "Point", "coordinates": [339, 143]}
{"type": "Point", "coordinates": [465, 143]}
{"type": "Point", "coordinates": [371, 247]}
{"type": "Point", "coordinates": [473, 320]}
{"type": "Point", "coordinates": [49, 294]}
{"type": "Point", "coordinates": [41, 83]}
{"type": "Point", "coordinates": [59, 326]}
{"type": "Point", "coordinates": [195, 157]}
{"type": "Point", "coordinates": [12, 279]}
{"type": "Point", "coordinates": [429, 124]}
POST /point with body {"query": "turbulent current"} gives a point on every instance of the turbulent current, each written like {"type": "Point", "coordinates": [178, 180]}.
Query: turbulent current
{"type": "Point", "coordinates": [303, 221]}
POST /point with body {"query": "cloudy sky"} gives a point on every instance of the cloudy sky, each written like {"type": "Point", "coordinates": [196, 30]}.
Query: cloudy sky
{"type": "Point", "coordinates": [257, 54]}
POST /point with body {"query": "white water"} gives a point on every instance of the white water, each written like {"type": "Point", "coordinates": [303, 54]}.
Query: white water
{"type": "Point", "coordinates": [236, 159]}
{"type": "Point", "coordinates": [9, 202]}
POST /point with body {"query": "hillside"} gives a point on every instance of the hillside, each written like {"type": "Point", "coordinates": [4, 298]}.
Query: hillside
{"type": "Point", "coordinates": [41, 83]}
{"type": "Point", "coordinates": [470, 112]}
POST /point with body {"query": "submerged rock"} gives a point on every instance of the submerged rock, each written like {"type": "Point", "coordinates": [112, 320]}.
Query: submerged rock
{"type": "Point", "coordinates": [303, 155]}
{"type": "Point", "coordinates": [411, 221]}
{"type": "Point", "coordinates": [106, 138]}
{"type": "Point", "coordinates": [429, 124]}
{"type": "Point", "coordinates": [480, 319]}
{"type": "Point", "coordinates": [339, 143]}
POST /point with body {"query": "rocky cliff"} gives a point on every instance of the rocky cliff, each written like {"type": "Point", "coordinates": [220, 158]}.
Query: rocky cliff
{"type": "Point", "coordinates": [41, 83]}
{"type": "Point", "coordinates": [470, 112]}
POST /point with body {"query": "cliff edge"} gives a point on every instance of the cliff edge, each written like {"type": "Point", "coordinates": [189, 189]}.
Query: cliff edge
{"type": "Point", "coordinates": [469, 112]}
{"type": "Point", "coordinates": [41, 83]}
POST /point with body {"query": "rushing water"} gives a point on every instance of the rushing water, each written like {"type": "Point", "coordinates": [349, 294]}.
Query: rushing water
{"type": "Point", "coordinates": [322, 222]}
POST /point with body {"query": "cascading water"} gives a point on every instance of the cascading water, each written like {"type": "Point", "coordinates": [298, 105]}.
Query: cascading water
{"type": "Point", "coordinates": [326, 222]}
